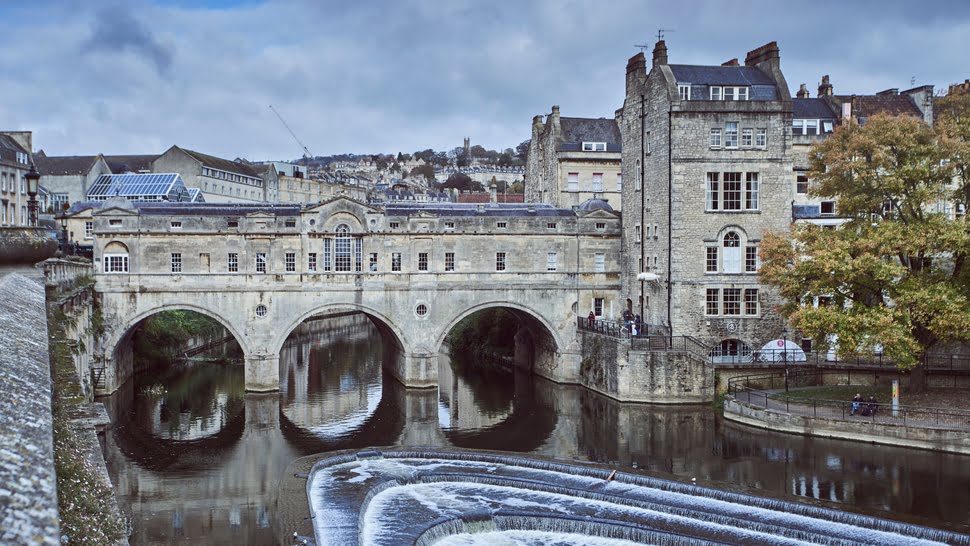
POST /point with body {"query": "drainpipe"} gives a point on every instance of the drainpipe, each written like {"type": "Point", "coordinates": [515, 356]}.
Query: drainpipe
{"type": "Point", "coordinates": [643, 201]}
{"type": "Point", "coordinates": [670, 204]}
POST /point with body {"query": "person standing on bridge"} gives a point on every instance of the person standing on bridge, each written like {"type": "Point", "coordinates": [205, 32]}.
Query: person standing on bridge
{"type": "Point", "coordinates": [591, 318]}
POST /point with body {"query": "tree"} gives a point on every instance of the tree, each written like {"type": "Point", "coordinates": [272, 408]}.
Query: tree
{"type": "Point", "coordinates": [517, 187]}
{"type": "Point", "coordinates": [522, 150]}
{"type": "Point", "coordinates": [505, 159]}
{"type": "Point", "coordinates": [478, 151]}
{"type": "Point", "coordinates": [893, 273]}
{"type": "Point", "coordinates": [426, 170]}
{"type": "Point", "coordinates": [463, 182]}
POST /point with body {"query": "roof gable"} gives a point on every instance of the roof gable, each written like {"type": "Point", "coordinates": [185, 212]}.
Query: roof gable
{"type": "Point", "coordinates": [222, 164]}
{"type": "Point", "coordinates": [720, 75]}
{"type": "Point", "coordinates": [579, 130]}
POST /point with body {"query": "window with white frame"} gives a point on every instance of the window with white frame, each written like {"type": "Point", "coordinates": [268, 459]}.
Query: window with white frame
{"type": "Point", "coordinates": [646, 144]}
{"type": "Point", "coordinates": [731, 134]}
{"type": "Point", "coordinates": [639, 178]}
{"type": "Point", "coordinates": [716, 137]}
{"type": "Point", "coordinates": [342, 248]}
{"type": "Point", "coordinates": [232, 262]}
{"type": "Point", "coordinates": [449, 261]}
{"type": "Point", "coordinates": [327, 254]}
{"type": "Point", "coordinates": [422, 261]}
{"type": "Point", "coordinates": [731, 258]}
{"type": "Point", "coordinates": [638, 234]}
{"type": "Point", "coordinates": [731, 301]}
{"type": "Point", "coordinates": [713, 191]}
{"type": "Point", "coordinates": [176, 262]}
{"type": "Point", "coordinates": [311, 264]}
{"type": "Point", "coordinates": [572, 182]}
{"type": "Point", "coordinates": [594, 146]}
{"type": "Point", "coordinates": [289, 262]}
{"type": "Point", "coordinates": [372, 262]}
{"type": "Point", "coordinates": [712, 306]}
{"type": "Point", "coordinates": [710, 265]}
{"type": "Point", "coordinates": [89, 229]}
{"type": "Point", "coordinates": [499, 261]}
{"type": "Point", "coordinates": [760, 137]}
{"type": "Point", "coordinates": [598, 307]}
{"type": "Point", "coordinates": [801, 183]}
{"type": "Point", "coordinates": [751, 259]}
{"type": "Point", "coordinates": [598, 182]}
{"type": "Point", "coordinates": [619, 181]}
{"type": "Point", "coordinates": [395, 261]}
{"type": "Point", "coordinates": [684, 90]}
{"type": "Point", "coordinates": [805, 126]}
{"type": "Point", "coordinates": [717, 92]}
{"type": "Point", "coordinates": [260, 262]}
{"type": "Point", "coordinates": [449, 226]}
{"type": "Point", "coordinates": [552, 261]}
{"type": "Point", "coordinates": [731, 191]}
{"type": "Point", "coordinates": [115, 263]}
{"type": "Point", "coordinates": [747, 138]}
{"type": "Point", "coordinates": [751, 191]}
{"type": "Point", "coordinates": [751, 302]}
{"type": "Point", "coordinates": [827, 208]}
{"type": "Point", "coordinates": [599, 262]}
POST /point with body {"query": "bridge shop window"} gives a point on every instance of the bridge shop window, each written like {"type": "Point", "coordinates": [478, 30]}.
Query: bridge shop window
{"type": "Point", "coordinates": [311, 264]}
{"type": "Point", "coordinates": [373, 262]}
{"type": "Point", "coordinates": [552, 261]}
{"type": "Point", "coordinates": [176, 262]}
{"type": "Point", "coordinates": [598, 307]}
{"type": "Point", "coordinates": [449, 261]}
{"type": "Point", "coordinates": [395, 261]}
{"type": "Point", "coordinates": [116, 263]}
{"type": "Point", "coordinates": [422, 261]}
{"type": "Point", "coordinates": [499, 261]}
{"type": "Point", "coordinates": [260, 262]}
{"type": "Point", "coordinates": [326, 254]}
{"type": "Point", "coordinates": [289, 262]}
{"type": "Point", "coordinates": [232, 262]}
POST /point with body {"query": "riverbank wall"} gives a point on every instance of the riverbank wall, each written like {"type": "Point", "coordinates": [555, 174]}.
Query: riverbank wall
{"type": "Point", "coordinates": [613, 367]}
{"type": "Point", "coordinates": [28, 512]}
{"type": "Point", "coordinates": [921, 437]}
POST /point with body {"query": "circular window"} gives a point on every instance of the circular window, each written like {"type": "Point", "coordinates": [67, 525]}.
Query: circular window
{"type": "Point", "coordinates": [313, 221]}
{"type": "Point", "coordinates": [421, 310]}
{"type": "Point", "coordinates": [373, 222]}
{"type": "Point", "coordinates": [261, 310]}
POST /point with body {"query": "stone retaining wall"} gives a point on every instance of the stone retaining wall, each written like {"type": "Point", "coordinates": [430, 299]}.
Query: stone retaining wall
{"type": "Point", "coordinates": [949, 440]}
{"type": "Point", "coordinates": [28, 484]}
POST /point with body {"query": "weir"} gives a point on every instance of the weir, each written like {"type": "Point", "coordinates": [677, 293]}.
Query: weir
{"type": "Point", "coordinates": [407, 496]}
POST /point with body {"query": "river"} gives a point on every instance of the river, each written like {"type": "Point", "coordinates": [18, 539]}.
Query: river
{"type": "Point", "coordinates": [195, 459]}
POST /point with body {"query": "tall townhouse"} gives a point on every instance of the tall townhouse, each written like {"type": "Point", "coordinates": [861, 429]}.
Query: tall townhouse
{"type": "Point", "coordinates": [14, 163]}
{"type": "Point", "coordinates": [708, 171]}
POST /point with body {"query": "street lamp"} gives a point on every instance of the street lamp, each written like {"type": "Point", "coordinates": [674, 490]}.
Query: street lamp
{"type": "Point", "coordinates": [33, 180]}
{"type": "Point", "coordinates": [66, 243]}
{"type": "Point", "coordinates": [784, 353]}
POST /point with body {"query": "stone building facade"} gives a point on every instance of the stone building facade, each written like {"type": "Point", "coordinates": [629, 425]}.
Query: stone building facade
{"type": "Point", "coordinates": [708, 170]}
{"type": "Point", "coordinates": [221, 180]}
{"type": "Point", "coordinates": [15, 150]}
{"type": "Point", "coordinates": [572, 160]}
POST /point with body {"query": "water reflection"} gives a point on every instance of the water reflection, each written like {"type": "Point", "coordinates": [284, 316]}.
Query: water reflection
{"type": "Point", "coordinates": [202, 461]}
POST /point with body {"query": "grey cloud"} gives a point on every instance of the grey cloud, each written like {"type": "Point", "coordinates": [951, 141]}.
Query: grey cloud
{"type": "Point", "coordinates": [115, 28]}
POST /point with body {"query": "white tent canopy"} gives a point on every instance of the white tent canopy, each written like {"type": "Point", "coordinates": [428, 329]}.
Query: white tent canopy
{"type": "Point", "coordinates": [780, 350]}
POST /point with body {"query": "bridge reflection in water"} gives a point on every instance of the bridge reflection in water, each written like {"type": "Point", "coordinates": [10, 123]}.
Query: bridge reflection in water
{"type": "Point", "coordinates": [201, 460]}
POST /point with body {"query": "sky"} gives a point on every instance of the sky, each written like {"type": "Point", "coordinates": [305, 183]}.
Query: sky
{"type": "Point", "coordinates": [383, 76]}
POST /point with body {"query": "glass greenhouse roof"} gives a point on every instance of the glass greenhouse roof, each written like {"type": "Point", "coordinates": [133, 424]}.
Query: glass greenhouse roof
{"type": "Point", "coordinates": [139, 187]}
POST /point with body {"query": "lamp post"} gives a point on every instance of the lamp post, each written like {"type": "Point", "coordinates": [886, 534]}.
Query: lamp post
{"type": "Point", "coordinates": [784, 353]}
{"type": "Point", "coordinates": [33, 180]}
{"type": "Point", "coordinates": [66, 243]}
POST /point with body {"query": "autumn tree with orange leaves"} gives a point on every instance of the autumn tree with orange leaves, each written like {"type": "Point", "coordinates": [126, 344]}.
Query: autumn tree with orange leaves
{"type": "Point", "coordinates": [896, 272]}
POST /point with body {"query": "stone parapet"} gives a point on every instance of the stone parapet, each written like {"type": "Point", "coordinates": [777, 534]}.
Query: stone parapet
{"type": "Point", "coordinates": [28, 483]}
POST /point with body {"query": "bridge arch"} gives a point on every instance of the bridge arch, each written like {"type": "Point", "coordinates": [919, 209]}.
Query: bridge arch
{"type": "Point", "coordinates": [498, 304]}
{"type": "Point", "coordinates": [382, 322]}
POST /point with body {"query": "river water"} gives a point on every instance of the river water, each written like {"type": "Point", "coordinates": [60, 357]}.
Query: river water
{"type": "Point", "coordinates": [195, 459]}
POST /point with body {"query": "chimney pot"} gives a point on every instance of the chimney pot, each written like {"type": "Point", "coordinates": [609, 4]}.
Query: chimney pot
{"type": "Point", "coordinates": [732, 62]}
{"type": "Point", "coordinates": [802, 92]}
{"type": "Point", "coordinates": [660, 53]}
{"type": "Point", "coordinates": [825, 88]}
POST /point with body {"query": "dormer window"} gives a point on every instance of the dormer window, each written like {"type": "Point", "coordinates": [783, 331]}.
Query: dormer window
{"type": "Point", "coordinates": [805, 126]}
{"type": "Point", "coordinates": [684, 89]}
{"type": "Point", "coordinates": [729, 92]}
{"type": "Point", "coordinates": [594, 146]}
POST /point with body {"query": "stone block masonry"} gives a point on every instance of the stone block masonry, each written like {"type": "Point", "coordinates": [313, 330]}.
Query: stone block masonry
{"type": "Point", "coordinates": [28, 484]}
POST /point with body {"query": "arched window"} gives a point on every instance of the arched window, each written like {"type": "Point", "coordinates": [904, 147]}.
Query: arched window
{"type": "Point", "coordinates": [115, 258]}
{"type": "Point", "coordinates": [342, 248]}
{"type": "Point", "coordinates": [731, 257]}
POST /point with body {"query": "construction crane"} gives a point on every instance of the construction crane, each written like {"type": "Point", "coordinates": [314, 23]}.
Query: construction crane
{"type": "Point", "coordinates": [307, 156]}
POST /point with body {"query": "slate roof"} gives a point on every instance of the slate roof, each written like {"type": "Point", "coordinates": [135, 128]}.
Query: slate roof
{"type": "Point", "coordinates": [120, 164]}
{"type": "Point", "coordinates": [64, 164]}
{"type": "Point", "coordinates": [463, 209]}
{"type": "Point", "coordinates": [720, 75]}
{"type": "Point", "coordinates": [579, 130]}
{"type": "Point", "coordinates": [868, 105]}
{"type": "Point", "coordinates": [223, 164]}
{"type": "Point", "coordinates": [485, 198]}
{"type": "Point", "coordinates": [8, 143]}
{"type": "Point", "coordinates": [217, 209]}
{"type": "Point", "coordinates": [812, 109]}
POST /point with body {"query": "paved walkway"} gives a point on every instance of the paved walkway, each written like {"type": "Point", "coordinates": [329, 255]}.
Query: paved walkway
{"type": "Point", "coordinates": [939, 418]}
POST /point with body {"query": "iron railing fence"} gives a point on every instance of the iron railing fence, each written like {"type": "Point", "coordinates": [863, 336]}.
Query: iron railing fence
{"type": "Point", "coordinates": [769, 391]}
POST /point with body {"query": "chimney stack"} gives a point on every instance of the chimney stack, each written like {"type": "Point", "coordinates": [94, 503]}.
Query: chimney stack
{"type": "Point", "coordinates": [637, 63]}
{"type": "Point", "coordinates": [732, 62]}
{"type": "Point", "coordinates": [802, 92]}
{"type": "Point", "coordinates": [767, 52]}
{"type": "Point", "coordinates": [825, 88]}
{"type": "Point", "coordinates": [660, 53]}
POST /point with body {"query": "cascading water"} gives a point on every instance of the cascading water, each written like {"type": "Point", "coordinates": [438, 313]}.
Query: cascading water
{"type": "Point", "coordinates": [428, 497]}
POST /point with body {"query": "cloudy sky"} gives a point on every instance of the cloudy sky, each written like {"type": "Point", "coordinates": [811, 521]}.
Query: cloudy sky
{"type": "Point", "coordinates": [136, 76]}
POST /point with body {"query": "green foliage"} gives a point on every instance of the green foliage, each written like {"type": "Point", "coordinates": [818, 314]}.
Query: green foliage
{"type": "Point", "coordinates": [463, 182]}
{"type": "Point", "coordinates": [894, 272]}
{"type": "Point", "coordinates": [162, 335]}
{"type": "Point", "coordinates": [426, 170]}
{"type": "Point", "coordinates": [490, 332]}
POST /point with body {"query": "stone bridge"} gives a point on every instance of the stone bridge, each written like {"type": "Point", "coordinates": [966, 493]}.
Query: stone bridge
{"type": "Point", "coordinates": [416, 270]}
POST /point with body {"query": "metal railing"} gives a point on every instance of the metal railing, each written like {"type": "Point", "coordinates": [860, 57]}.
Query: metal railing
{"type": "Point", "coordinates": [643, 340]}
{"type": "Point", "coordinates": [951, 362]}
{"type": "Point", "coordinates": [768, 391]}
